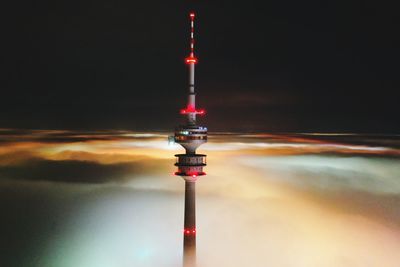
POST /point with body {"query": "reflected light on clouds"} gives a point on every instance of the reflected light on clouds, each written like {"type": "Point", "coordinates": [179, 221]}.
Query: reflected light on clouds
{"type": "Point", "coordinates": [267, 200]}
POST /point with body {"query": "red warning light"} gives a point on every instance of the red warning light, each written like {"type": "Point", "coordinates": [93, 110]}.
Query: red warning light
{"type": "Point", "coordinates": [192, 110]}
{"type": "Point", "coordinates": [189, 231]}
{"type": "Point", "coordinates": [190, 60]}
{"type": "Point", "coordinates": [192, 15]}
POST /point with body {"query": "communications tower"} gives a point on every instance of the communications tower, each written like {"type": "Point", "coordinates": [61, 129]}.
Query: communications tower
{"type": "Point", "coordinates": [190, 165]}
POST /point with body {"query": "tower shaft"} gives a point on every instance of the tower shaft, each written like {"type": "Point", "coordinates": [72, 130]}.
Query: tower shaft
{"type": "Point", "coordinates": [189, 237]}
{"type": "Point", "coordinates": [191, 106]}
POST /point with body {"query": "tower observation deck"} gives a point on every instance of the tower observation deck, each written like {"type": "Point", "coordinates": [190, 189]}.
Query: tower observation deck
{"type": "Point", "coordinates": [190, 165]}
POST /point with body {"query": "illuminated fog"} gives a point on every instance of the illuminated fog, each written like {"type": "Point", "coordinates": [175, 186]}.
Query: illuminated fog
{"type": "Point", "coordinates": [109, 199]}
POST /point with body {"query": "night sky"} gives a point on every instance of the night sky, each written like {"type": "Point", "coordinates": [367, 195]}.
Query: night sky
{"type": "Point", "coordinates": [278, 66]}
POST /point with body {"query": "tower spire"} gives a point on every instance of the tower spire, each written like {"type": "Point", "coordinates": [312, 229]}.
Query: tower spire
{"type": "Point", "coordinates": [190, 110]}
{"type": "Point", "coordinates": [192, 34]}
{"type": "Point", "coordinates": [191, 58]}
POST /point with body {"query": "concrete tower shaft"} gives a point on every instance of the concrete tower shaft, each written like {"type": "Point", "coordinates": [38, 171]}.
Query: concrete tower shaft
{"type": "Point", "coordinates": [189, 231]}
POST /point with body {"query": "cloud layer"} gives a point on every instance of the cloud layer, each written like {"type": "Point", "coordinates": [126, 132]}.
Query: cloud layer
{"type": "Point", "coordinates": [96, 199]}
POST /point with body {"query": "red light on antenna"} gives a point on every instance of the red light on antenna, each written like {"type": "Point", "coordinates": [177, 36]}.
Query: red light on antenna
{"type": "Point", "coordinates": [190, 60]}
{"type": "Point", "coordinates": [192, 15]}
{"type": "Point", "coordinates": [190, 109]}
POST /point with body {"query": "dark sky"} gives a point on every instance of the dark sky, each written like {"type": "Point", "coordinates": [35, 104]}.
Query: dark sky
{"type": "Point", "coordinates": [263, 66]}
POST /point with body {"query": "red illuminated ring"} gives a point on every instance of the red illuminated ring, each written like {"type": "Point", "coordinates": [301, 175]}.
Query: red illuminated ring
{"type": "Point", "coordinates": [190, 174]}
{"type": "Point", "coordinates": [190, 60]}
{"type": "Point", "coordinates": [193, 111]}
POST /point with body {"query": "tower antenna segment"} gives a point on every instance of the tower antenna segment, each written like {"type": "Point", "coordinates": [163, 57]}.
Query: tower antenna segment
{"type": "Point", "coordinates": [191, 58]}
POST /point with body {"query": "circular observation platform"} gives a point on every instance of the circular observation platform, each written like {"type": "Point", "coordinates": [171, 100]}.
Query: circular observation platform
{"type": "Point", "coordinates": [190, 164]}
{"type": "Point", "coordinates": [187, 133]}
{"type": "Point", "coordinates": [190, 137]}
